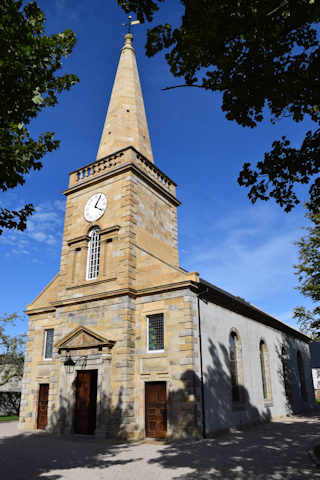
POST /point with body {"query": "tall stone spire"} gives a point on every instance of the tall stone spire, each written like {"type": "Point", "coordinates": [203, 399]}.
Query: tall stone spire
{"type": "Point", "coordinates": [126, 122]}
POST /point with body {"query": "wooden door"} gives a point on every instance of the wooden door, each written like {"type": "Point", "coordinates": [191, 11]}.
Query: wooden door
{"type": "Point", "coordinates": [86, 402]}
{"type": "Point", "coordinates": [42, 419]}
{"type": "Point", "coordinates": [156, 409]}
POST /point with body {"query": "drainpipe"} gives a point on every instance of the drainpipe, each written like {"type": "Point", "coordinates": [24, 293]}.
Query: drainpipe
{"type": "Point", "coordinates": [204, 434]}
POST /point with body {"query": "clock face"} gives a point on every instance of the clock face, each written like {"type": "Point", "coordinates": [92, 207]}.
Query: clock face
{"type": "Point", "coordinates": [95, 207]}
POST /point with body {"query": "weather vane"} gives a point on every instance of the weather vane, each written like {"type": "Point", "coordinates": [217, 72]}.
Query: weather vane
{"type": "Point", "coordinates": [130, 23]}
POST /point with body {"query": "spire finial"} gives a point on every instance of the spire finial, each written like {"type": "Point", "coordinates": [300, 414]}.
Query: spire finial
{"type": "Point", "coordinates": [130, 23]}
{"type": "Point", "coordinates": [128, 40]}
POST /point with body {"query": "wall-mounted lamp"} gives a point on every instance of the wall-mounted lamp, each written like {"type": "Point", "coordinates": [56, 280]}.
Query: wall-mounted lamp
{"type": "Point", "coordinates": [69, 364]}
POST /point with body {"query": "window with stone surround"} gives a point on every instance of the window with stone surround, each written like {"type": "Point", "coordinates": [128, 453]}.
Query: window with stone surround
{"type": "Point", "coordinates": [93, 254]}
{"type": "Point", "coordinates": [265, 371]}
{"type": "Point", "coordinates": [236, 367]}
{"type": "Point", "coordinates": [155, 329]}
{"type": "Point", "coordinates": [48, 343]}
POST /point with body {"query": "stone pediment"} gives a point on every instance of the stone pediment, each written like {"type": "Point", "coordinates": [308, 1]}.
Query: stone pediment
{"type": "Point", "coordinates": [82, 337]}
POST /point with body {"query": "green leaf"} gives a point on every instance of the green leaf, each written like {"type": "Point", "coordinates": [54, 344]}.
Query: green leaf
{"type": "Point", "coordinates": [29, 58]}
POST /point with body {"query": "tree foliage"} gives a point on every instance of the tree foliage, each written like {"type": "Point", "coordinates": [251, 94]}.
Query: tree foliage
{"type": "Point", "coordinates": [29, 61]}
{"type": "Point", "coordinates": [11, 351]}
{"type": "Point", "coordinates": [258, 54]}
{"type": "Point", "coordinates": [308, 321]}
{"type": "Point", "coordinates": [308, 269]}
{"type": "Point", "coordinates": [308, 272]}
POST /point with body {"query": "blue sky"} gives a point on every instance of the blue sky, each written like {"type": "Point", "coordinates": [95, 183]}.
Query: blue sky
{"type": "Point", "coordinates": [247, 250]}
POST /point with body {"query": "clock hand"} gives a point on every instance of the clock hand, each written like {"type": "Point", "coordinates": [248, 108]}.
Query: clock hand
{"type": "Point", "coordinates": [97, 203]}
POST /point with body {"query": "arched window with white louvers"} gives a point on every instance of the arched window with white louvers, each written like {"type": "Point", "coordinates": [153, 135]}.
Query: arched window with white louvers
{"type": "Point", "coordinates": [93, 254]}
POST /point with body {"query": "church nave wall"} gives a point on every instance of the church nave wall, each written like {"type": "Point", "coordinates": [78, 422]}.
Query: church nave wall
{"type": "Point", "coordinates": [222, 412]}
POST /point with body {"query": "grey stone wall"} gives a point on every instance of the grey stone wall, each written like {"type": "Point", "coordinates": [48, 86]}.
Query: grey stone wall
{"type": "Point", "coordinates": [220, 412]}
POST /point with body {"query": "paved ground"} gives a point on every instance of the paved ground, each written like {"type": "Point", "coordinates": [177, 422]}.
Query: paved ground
{"type": "Point", "coordinates": [277, 450]}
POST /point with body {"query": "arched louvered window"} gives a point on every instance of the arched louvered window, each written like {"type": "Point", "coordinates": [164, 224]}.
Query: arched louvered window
{"type": "Point", "coordinates": [265, 371]}
{"type": "Point", "coordinates": [285, 371]}
{"type": "Point", "coordinates": [93, 254]}
{"type": "Point", "coordinates": [235, 366]}
{"type": "Point", "coordinates": [302, 380]}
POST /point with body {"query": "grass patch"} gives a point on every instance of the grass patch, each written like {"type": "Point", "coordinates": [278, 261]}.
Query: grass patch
{"type": "Point", "coordinates": [10, 418]}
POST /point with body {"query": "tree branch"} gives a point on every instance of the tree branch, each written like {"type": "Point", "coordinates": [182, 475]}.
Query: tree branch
{"type": "Point", "coordinates": [182, 86]}
{"type": "Point", "coordinates": [8, 378]}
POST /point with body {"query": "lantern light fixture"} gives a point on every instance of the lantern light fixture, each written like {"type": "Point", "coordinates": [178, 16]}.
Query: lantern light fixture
{"type": "Point", "coordinates": [69, 364]}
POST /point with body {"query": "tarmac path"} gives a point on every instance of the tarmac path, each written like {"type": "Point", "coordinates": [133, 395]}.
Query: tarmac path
{"type": "Point", "coordinates": [278, 450]}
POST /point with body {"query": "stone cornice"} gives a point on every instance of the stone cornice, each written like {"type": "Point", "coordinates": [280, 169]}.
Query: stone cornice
{"type": "Point", "coordinates": [133, 293]}
{"type": "Point", "coordinates": [125, 167]}
{"type": "Point", "coordinates": [167, 288]}
{"type": "Point", "coordinates": [82, 238]}
{"type": "Point", "coordinates": [97, 282]}
{"type": "Point", "coordinates": [85, 238]}
{"type": "Point", "coordinates": [109, 230]}
{"type": "Point", "coordinates": [95, 296]}
{"type": "Point", "coordinates": [35, 311]}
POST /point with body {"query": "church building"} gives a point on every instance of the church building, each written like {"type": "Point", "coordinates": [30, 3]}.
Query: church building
{"type": "Point", "coordinates": [125, 343]}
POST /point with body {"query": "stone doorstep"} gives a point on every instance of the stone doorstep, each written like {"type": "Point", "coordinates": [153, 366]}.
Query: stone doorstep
{"type": "Point", "coordinates": [154, 441]}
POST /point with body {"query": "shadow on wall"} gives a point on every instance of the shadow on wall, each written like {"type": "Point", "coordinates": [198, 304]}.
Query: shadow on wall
{"type": "Point", "coordinates": [111, 422]}
{"type": "Point", "coordinates": [183, 414]}
{"type": "Point", "coordinates": [116, 419]}
{"type": "Point", "coordinates": [288, 373]}
{"type": "Point", "coordinates": [184, 406]}
{"type": "Point", "coordinates": [10, 403]}
{"type": "Point", "coordinates": [221, 412]}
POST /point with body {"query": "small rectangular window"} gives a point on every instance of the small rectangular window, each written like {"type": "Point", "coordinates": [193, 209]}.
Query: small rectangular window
{"type": "Point", "coordinates": [48, 343]}
{"type": "Point", "coordinates": [155, 333]}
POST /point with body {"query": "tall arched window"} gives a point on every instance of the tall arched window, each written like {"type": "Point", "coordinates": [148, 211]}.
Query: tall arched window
{"type": "Point", "coordinates": [93, 254]}
{"type": "Point", "coordinates": [265, 371]}
{"type": "Point", "coordinates": [302, 380]}
{"type": "Point", "coordinates": [285, 371]}
{"type": "Point", "coordinates": [236, 369]}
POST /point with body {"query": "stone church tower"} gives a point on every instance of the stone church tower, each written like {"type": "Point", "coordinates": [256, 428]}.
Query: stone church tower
{"type": "Point", "coordinates": [112, 336]}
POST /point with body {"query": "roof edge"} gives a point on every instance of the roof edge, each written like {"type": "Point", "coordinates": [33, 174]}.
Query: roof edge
{"type": "Point", "coordinates": [231, 302]}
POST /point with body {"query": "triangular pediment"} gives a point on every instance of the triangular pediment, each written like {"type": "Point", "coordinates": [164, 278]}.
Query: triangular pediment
{"type": "Point", "coordinates": [83, 337]}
